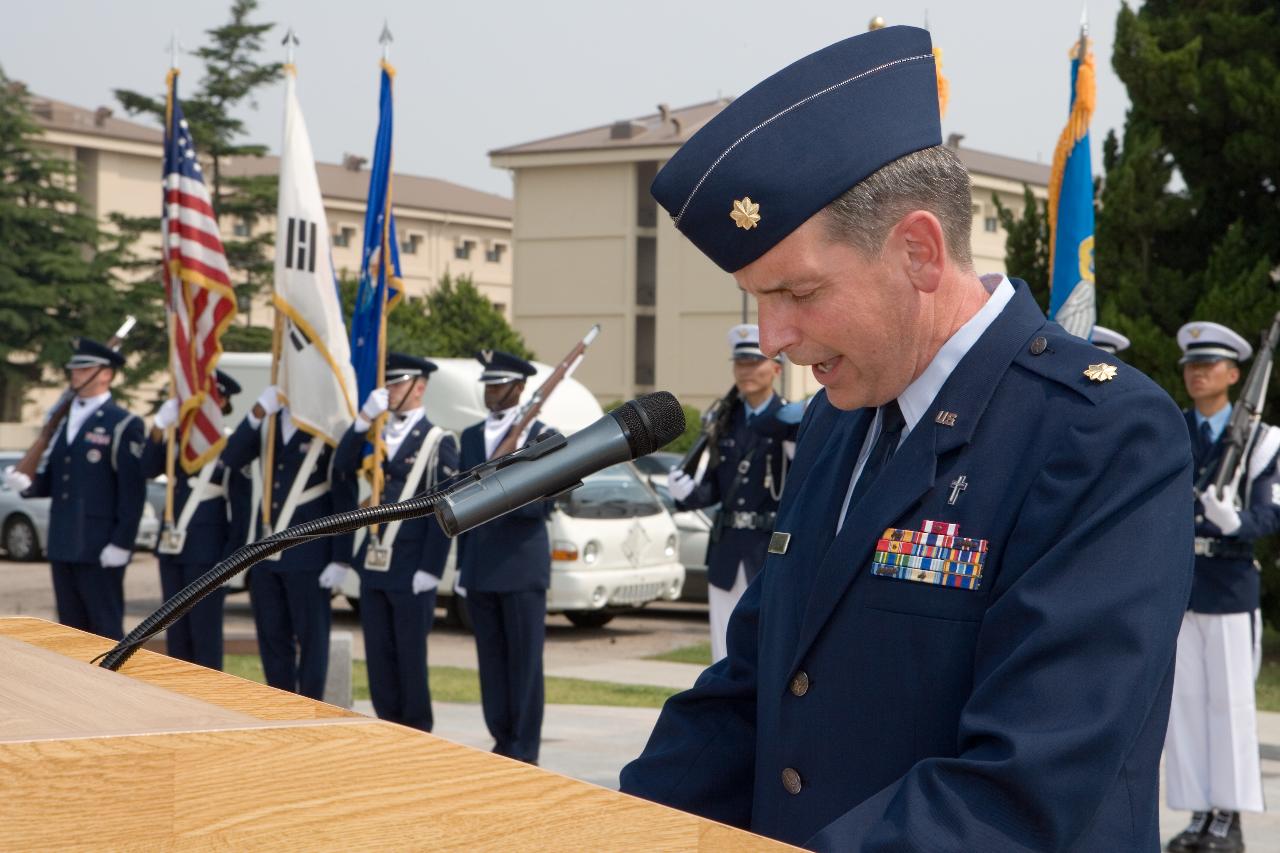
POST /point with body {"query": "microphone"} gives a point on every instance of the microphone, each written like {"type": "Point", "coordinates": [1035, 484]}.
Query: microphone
{"type": "Point", "coordinates": [555, 465]}
{"type": "Point", "coordinates": [540, 469]}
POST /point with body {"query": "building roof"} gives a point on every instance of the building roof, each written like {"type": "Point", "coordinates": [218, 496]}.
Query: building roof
{"type": "Point", "coordinates": [674, 127]}
{"type": "Point", "coordinates": [352, 184]}
{"type": "Point", "coordinates": [336, 182]}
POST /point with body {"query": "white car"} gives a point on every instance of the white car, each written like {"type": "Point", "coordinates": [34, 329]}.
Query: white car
{"type": "Point", "coordinates": [613, 545]}
{"type": "Point", "coordinates": [694, 525]}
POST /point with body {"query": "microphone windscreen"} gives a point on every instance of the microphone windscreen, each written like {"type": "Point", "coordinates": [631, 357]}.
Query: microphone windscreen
{"type": "Point", "coordinates": [651, 421]}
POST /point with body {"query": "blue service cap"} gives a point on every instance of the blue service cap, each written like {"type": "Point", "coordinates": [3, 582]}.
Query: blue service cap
{"type": "Point", "coordinates": [793, 144]}
{"type": "Point", "coordinates": [501, 367]}
{"type": "Point", "coordinates": [402, 366]}
{"type": "Point", "coordinates": [227, 386]}
{"type": "Point", "coordinates": [90, 353]}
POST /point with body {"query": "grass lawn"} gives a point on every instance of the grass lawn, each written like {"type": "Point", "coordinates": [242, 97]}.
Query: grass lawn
{"type": "Point", "coordinates": [455, 684]}
{"type": "Point", "coordinates": [699, 653]}
{"type": "Point", "coordinates": [1269, 678]}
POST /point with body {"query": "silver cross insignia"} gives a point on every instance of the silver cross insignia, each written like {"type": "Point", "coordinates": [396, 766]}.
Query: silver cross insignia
{"type": "Point", "coordinates": [958, 485]}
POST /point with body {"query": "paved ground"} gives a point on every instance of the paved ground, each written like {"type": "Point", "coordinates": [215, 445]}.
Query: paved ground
{"type": "Point", "coordinates": [589, 743]}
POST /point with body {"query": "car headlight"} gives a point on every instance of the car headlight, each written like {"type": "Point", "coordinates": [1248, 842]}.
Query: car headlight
{"type": "Point", "coordinates": [670, 550]}
{"type": "Point", "coordinates": [591, 552]}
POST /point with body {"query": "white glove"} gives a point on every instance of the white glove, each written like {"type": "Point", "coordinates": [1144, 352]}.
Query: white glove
{"type": "Point", "coordinates": [375, 404]}
{"type": "Point", "coordinates": [680, 485]}
{"type": "Point", "coordinates": [167, 416]}
{"type": "Point", "coordinates": [333, 575]}
{"type": "Point", "coordinates": [16, 480]}
{"type": "Point", "coordinates": [269, 399]}
{"type": "Point", "coordinates": [1221, 511]}
{"type": "Point", "coordinates": [424, 581]}
{"type": "Point", "coordinates": [113, 556]}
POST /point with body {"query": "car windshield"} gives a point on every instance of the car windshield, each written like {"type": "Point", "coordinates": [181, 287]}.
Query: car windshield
{"type": "Point", "coordinates": [615, 492]}
{"type": "Point", "coordinates": [657, 463]}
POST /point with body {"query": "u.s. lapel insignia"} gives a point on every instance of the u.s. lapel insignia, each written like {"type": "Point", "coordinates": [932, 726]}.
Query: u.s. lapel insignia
{"type": "Point", "coordinates": [1100, 372]}
{"type": "Point", "coordinates": [947, 419]}
{"type": "Point", "coordinates": [779, 542]}
{"type": "Point", "coordinates": [745, 213]}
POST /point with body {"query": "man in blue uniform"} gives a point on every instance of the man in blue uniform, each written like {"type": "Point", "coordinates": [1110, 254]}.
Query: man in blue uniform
{"type": "Point", "coordinates": [290, 595]}
{"type": "Point", "coordinates": [1211, 751]}
{"type": "Point", "coordinates": [93, 478]}
{"type": "Point", "coordinates": [401, 564]}
{"type": "Point", "coordinates": [747, 482]}
{"type": "Point", "coordinates": [963, 635]}
{"type": "Point", "coordinates": [505, 569]}
{"type": "Point", "coordinates": [197, 539]}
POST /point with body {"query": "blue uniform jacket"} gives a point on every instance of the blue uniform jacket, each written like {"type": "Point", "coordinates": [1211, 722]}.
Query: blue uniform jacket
{"type": "Point", "coordinates": [1232, 585]}
{"type": "Point", "coordinates": [511, 553]}
{"type": "Point", "coordinates": [1026, 714]}
{"type": "Point", "coordinates": [206, 541]}
{"type": "Point", "coordinates": [95, 485]}
{"type": "Point", "coordinates": [760, 447]}
{"type": "Point", "coordinates": [245, 445]}
{"type": "Point", "coordinates": [420, 544]}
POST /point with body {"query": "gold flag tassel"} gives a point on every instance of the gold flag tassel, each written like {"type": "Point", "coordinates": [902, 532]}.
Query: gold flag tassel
{"type": "Point", "coordinates": [944, 85]}
{"type": "Point", "coordinates": [1076, 129]}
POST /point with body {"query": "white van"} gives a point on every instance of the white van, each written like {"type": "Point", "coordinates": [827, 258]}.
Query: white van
{"type": "Point", "coordinates": [613, 544]}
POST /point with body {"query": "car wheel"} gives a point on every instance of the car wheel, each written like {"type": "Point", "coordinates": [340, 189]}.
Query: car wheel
{"type": "Point", "coordinates": [20, 540]}
{"type": "Point", "coordinates": [589, 618]}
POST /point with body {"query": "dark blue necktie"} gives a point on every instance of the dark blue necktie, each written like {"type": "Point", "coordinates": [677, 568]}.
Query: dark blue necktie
{"type": "Point", "coordinates": [891, 424]}
{"type": "Point", "coordinates": [1206, 439]}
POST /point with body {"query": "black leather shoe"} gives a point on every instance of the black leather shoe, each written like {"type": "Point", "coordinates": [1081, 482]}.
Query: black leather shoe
{"type": "Point", "coordinates": [1223, 834]}
{"type": "Point", "coordinates": [1188, 841]}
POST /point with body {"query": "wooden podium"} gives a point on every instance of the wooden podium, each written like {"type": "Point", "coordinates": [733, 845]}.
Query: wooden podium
{"type": "Point", "coordinates": [168, 755]}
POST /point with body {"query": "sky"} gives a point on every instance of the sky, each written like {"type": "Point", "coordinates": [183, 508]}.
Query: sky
{"type": "Point", "coordinates": [472, 77]}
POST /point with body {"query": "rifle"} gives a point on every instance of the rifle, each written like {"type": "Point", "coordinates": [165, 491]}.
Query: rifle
{"type": "Point", "coordinates": [715, 420]}
{"type": "Point", "coordinates": [529, 411]}
{"type": "Point", "coordinates": [1238, 436]}
{"type": "Point", "coordinates": [31, 459]}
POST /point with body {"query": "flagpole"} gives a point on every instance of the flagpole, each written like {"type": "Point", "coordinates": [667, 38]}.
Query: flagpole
{"type": "Point", "coordinates": [170, 432]}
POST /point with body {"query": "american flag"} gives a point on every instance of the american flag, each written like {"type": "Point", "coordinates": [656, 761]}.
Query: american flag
{"type": "Point", "coordinates": [198, 293]}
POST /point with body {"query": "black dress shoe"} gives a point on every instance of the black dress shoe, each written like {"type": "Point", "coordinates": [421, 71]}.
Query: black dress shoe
{"type": "Point", "coordinates": [1223, 834]}
{"type": "Point", "coordinates": [1188, 841]}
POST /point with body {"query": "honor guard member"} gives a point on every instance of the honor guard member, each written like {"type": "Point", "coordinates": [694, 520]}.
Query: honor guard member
{"type": "Point", "coordinates": [1211, 749]}
{"type": "Point", "coordinates": [1109, 340]}
{"type": "Point", "coordinates": [94, 481]}
{"type": "Point", "coordinates": [400, 565]}
{"type": "Point", "coordinates": [746, 484]}
{"type": "Point", "coordinates": [198, 537]}
{"type": "Point", "coordinates": [504, 569]}
{"type": "Point", "coordinates": [963, 635]}
{"type": "Point", "coordinates": [290, 594]}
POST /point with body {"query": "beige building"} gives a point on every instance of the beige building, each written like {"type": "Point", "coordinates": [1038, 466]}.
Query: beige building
{"type": "Point", "coordinates": [442, 227]}
{"type": "Point", "coordinates": [593, 246]}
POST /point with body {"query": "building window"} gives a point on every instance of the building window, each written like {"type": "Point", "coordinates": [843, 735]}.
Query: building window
{"type": "Point", "coordinates": [493, 254]}
{"type": "Point", "coordinates": [646, 207]}
{"type": "Point", "coordinates": [500, 307]}
{"type": "Point", "coordinates": [646, 271]}
{"type": "Point", "coordinates": [462, 249]}
{"type": "Point", "coordinates": [343, 238]}
{"type": "Point", "coordinates": [410, 246]}
{"type": "Point", "coordinates": [645, 350]}
{"type": "Point", "coordinates": [240, 228]}
{"type": "Point", "coordinates": [991, 225]}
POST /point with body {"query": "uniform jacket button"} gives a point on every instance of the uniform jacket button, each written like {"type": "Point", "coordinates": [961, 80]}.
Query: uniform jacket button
{"type": "Point", "coordinates": [1039, 345]}
{"type": "Point", "coordinates": [1199, 519]}
{"type": "Point", "coordinates": [800, 683]}
{"type": "Point", "coordinates": [791, 781]}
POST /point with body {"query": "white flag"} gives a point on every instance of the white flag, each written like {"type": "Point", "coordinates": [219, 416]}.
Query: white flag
{"type": "Point", "coordinates": [315, 373]}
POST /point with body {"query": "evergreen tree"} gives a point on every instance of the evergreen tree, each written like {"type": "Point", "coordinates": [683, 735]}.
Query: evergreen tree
{"type": "Point", "coordinates": [1026, 247]}
{"type": "Point", "coordinates": [232, 76]}
{"type": "Point", "coordinates": [59, 272]}
{"type": "Point", "coordinates": [1189, 226]}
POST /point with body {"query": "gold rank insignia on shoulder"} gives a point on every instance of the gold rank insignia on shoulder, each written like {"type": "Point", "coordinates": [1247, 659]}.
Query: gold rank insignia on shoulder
{"type": "Point", "coordinates": [1100, 372]}
{"type": "Point", "coordinates": [746, 213]}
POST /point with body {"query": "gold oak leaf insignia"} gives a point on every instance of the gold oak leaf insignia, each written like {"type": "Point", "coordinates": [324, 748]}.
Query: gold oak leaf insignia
{"type": "Point", "coordinates": [1100, 372]}
{"type": "Point", "coordinates": [745, 213]}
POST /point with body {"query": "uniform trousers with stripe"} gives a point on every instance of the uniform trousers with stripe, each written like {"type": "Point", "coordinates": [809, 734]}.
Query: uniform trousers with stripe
{"type": "Point", "coordinates": [197, 636]}
{"type": "Point", "coordinates": [396, 625]}
{"type": "Point", "coordinates": [1211, 747]}
{"type": "Point", "coordinates": [90, 597]}
{"type": "Point", "coordinates": [510, 629]}
{"type": "Point", "coordinates": [292, 617]}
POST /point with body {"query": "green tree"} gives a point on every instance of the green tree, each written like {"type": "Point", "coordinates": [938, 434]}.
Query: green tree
{"type": "Point", "coordinates": [1190, 215]}
{"type": "Point", "coordinates": [59, 272]}
{"type": "Point", "coordinates": [232, 76]}
{"type": "Point", "coordinates": [453, 321]}
{"type": "Point", "coordinates": [1026, 247]}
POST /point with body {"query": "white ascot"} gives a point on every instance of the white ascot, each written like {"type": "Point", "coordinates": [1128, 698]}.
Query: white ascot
{"type": "Point", "coordinates": [398, 426]}
{"type": "Point", "coordinates": [81, 409]}
{"type": "Point", "coordinates": [496, 426]}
